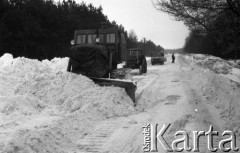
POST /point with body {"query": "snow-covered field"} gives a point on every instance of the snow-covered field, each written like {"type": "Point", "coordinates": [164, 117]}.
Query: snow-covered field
{"type": "Point", "coordinates": [43, 108]}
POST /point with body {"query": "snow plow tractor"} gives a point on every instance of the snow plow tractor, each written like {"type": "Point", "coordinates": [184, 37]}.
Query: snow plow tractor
{"type": "Point", "coordinates": [95, 53]}
{"type": "Point", "coordinates": [137, 60]}
{"type": "Point", "coordinates": [157, 57]}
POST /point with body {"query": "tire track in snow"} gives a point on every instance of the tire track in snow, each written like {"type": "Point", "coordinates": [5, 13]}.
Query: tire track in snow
{"type": "Point", "coordinates": [95, 141]}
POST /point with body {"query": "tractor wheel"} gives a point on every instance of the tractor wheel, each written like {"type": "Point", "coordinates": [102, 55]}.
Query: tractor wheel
{"type": "Point", "coordinates": [143, 66]}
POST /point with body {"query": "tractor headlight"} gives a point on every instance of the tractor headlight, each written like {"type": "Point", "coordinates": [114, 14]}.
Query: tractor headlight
{"type": "Point", "coordinates": [72, 42]}
{"type": "Point", "coordinates": [98, 40]}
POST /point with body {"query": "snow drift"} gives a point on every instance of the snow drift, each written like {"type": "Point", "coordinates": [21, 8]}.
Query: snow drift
{"type": "Point", "coordinates": [220, 91]}
{"type": "Point", "coordinates": [43, 108]}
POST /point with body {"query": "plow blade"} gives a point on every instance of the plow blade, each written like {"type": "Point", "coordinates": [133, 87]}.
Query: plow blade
{"type": "Point", "coordinates": [129, 86]}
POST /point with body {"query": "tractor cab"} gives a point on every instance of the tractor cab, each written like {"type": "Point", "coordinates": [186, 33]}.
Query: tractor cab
{"type": "Point", "coordinates": [96, 52]}
{"type": "Point", "coordinates": [136, 53]}
{"type": "Point", "coordinates": [134, 57]}
{"type": "Point", "coordinates": [112, 40]}
{"type": "Point", "coordinates": [137, 60]}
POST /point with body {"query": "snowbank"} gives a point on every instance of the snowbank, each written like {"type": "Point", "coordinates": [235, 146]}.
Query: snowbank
{"type": "Point", "coordinates": [57, 64]}
{"type": "Point", "coordinates": [215, 64]}
{"type": "Point", "coordinates": [227, 68]}
{"type": "Point", "coordinates": [220, 91]}
{"type": "Point", "coordinates": [43, 108]}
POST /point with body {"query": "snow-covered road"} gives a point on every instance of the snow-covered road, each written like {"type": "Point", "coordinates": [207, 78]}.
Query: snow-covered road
{"type": "Point", "coordinates": [179, 94]}
{"type": "Point", "coordinates": [45, 109]}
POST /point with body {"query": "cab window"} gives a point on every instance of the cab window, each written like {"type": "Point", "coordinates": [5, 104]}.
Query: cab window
{"type": "Point", "coordinates": [110, 38]}
{"type": "Point", "coordinates": [101, 36]}
{"type": "Point", "coordinates": [92, 39]}
{"type": "Point", "coordinates": [81, 39]}
{"type": "Point", "coordinates": [134, 53]}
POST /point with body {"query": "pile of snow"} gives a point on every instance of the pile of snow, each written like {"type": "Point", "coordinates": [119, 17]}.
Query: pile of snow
{"type": "Point", "coordinates": [42, 107]}
{"type": "Point", "coordinates": [235, 63]}
{"type": "Point", "coordinates": [213, 63]}
{"type": "Point", "coordinates": [227, 68]}
{"type": "Point", "coordinates": [221, 92]}
{"type": "Point", "coordinates": [58, 64]}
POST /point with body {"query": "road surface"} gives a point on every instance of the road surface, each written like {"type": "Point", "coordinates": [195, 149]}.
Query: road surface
{"type": "Point", "coordinates": [167, 94]}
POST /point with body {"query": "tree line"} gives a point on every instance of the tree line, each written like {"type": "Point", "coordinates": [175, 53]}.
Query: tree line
{"type": "Point", "coordinates": [176, 50]}
{"type": "Point", "coordinates": [42, 29]}
{"type": "Point", "coordinates": [147, 45]}
{"type": "Point", "coordinates": [214, 25]}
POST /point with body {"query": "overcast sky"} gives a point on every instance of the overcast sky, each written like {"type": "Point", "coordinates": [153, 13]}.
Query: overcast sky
{"type": "Point", "coordinates": [145, 20]}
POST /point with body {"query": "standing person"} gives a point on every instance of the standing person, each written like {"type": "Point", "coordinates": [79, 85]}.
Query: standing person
{"type": "Point", "coordinates": [173, 58]}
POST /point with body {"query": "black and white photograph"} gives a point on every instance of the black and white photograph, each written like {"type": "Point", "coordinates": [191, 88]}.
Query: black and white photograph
{"type": "Point", "coordinates": [119, 76]}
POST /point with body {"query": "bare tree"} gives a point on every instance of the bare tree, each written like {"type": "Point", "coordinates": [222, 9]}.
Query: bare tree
{"type": "Point", "coordinates": [234, 6]}
{"type": "Point", "coordinates": [197, 14]}
{"type": "Point", "coordinates": [215, 24]}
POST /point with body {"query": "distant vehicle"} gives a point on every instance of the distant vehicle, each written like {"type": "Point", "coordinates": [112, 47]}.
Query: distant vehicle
{"type": "Point", "coordinates": [157, 57]}
{"type": "Point", "coordinates": [137, 60]}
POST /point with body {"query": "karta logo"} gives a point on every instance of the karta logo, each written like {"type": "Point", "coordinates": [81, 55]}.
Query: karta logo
{"type": "Point", "coordinates": [152, 137]}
